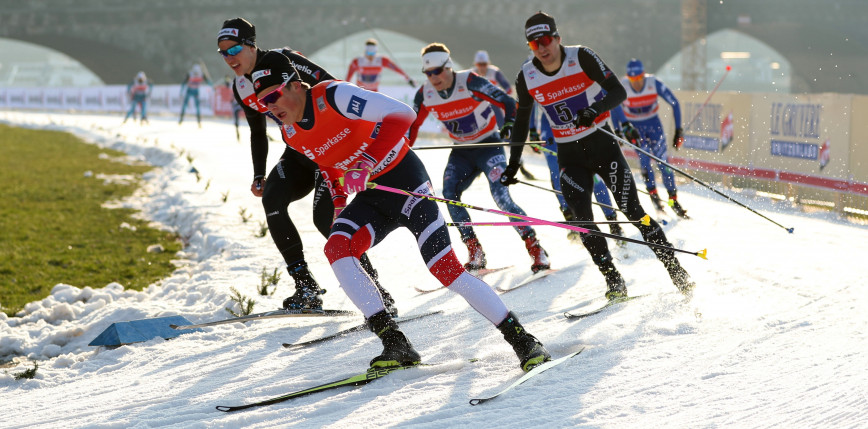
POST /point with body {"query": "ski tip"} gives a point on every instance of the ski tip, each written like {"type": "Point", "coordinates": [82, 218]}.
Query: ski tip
{"type": "Point", "coordinates": [703, 254]}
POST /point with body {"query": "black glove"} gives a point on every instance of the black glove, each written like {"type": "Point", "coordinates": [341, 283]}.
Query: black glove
{"type": "Point", "coordinates": [506, 130]}
{"type": "Point", "coordinates": [534, 136]}
{"type": "Point", "coordinates": [585, 117]}
{"type": "Point", "coordinates": [631, 134]}
{"type": "Point", "coordinates": [411, 82]}
{"type": "Point", "coordinates": [678, 140]}
{"type": "Point", "coordinates": [508, 176]}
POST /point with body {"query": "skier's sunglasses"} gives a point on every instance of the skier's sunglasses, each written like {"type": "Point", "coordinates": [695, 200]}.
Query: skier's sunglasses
{"type": "Point", "coordinates": [636, 78]}
{"type": "Point", "coordinates": [435, 71]}
{"type": "Point", "coordinates": [540, 41]}
{"type": "Point", "coordinates": [231, 52]}
{"type": "Point", "coordinates": [273, 96]}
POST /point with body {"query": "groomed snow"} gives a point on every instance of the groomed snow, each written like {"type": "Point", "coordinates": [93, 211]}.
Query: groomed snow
{"type": "Point", "coordinates": [775, 335]}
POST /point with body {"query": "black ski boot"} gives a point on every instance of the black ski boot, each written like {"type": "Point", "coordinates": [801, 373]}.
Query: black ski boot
{"type": "Point", "coordinates": [397, 349]}
{"type": "Point", "coordinates": [676, 206]}
{"type": "Point", "coordinates": [616, 288]}
{"type": "Point", "coordinates": [307, 291]}
{"type": "Point", "coordinates": [679, 277]}
{"type": "Point", "coordinates": [655, 198]}
{"type": "Point", "coordinates": [529, 350]}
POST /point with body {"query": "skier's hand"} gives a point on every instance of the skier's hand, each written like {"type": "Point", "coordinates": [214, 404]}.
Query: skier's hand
{"type": "Point", "coordinates": [257, 186]}
{"type": "Point", "coordinates": [631, 134]}
{"type": "Point", "coordinates": [534, 136]}
{"type": "Point", "coordinates": [585, 118]}
{"type": "Point", "coordinates": [506, 130]}
{"type": "Point", "coordinates": [678, 140]}
{"type": "Point", "coordinates": [508, 176]}
{"type": "Point", "coordinates": [356, 178]}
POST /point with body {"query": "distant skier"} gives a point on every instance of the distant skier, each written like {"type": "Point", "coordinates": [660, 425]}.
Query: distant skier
{"type": "Point", "coordinates": [190, 90]}
{"type": "Point", "coordinates": [636, 118]}
{"type": "Point", "coordinates": [139, 90]}
{"type": "Point", "coordinates": [370, 66]}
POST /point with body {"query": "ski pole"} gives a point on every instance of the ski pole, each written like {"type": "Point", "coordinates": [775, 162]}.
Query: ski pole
{"type": "Point", "coordinates": [477, 145]}
{"type": "Point", "coordinates": [561, 193]}
{"type": "Point", "coordinates": [646, 220]}
{"type": "Point", "coordinates": [682, 172]}
{"type": "Point", "coordinates": [728, 68]}
{"type": "Point", "coordinates": [370, 185]}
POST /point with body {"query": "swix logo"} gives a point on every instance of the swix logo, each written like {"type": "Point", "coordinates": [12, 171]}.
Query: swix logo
{"type": "Point", "coordinates": [332, 141]}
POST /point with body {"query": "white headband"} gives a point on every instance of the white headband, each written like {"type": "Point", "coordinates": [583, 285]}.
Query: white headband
{"type": "Point", "coordinates": [436, 59]}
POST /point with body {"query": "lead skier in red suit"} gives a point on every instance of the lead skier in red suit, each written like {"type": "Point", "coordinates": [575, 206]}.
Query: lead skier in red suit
{"type": "Point", "coordinates": [356, 135]}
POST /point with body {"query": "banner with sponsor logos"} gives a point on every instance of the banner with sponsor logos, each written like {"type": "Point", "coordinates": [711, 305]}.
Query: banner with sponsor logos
{"type": "Point", "coordinates": [859, 144]}
{"type": "Point", "coordinates": [806, 134]}
{"type": "Point", "coordinates": [114, 98]}
{"type": "Point", "coordinates": [718, 131]}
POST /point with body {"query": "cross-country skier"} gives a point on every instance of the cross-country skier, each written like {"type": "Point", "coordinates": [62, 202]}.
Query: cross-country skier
{"type": "Point", "coordinates": [370, 66]}
{"type": "Point", "coordinates": [464, 103]}
{"type": "Point", "coordinates": [576, 90]}
{"type": "Point", "coordinates": [637, 116]}
{"type": "Point", "coordinates": [357, 136]}
{"type": "Point", "coordinates": [294, 176]}
{"type": "Point", "coordinates": [190, 90]}
{"type": "Point", "coordinates": [139, 91]}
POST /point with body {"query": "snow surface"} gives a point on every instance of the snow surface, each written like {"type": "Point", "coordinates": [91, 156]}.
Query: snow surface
{"type": "Point", "coordinates": [775, 335]}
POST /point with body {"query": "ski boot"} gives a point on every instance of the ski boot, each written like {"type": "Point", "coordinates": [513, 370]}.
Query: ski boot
{"type": "Point", "coordinates": [477, 255]}
{"type": "Point", "coordinates": [676, 207]}
{"type": "Point", "coordinates": [307, 291]}
{"type": "Point", "coordinates": [616, 288]}
{"type": "Point", "coordinates": [680, 278]}
{"type": "Point", "coordinates": [537, 254]}
{"type": "Point", "coordinates": [615, 229]}
{"type": "Point", "coordinates": [655, 198]}
{"type": "Point", "coordinates": [397, 349]}
{"type": "Point", "coordinates": [529, 350]}
{"type": "Point", "coordinates": [572, 235]}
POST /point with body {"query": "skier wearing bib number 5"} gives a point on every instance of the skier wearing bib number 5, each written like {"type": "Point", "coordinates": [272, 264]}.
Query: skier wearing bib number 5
{"type": "Point", "coordinates": [357, 136]}
{"type": "Point", "coordinates": [576, 90]}
{"type": "Point", "coordinates": [464, 102]}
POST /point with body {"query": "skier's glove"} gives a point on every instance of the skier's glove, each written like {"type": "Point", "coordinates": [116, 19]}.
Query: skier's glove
{"type": "Point", "coordinates": [631, 133]}
{"type": "Point", "coordinates": [506, 130]}
{"type": "Point", "coordinates": [534, 136]}
{"type": "Point", "coordinates": [585, 118]}
{"type": "Point", "coordinates": [678, 140]}
{"type": "Point", "coordinates": [356, 178]}
{"type": "Point", "coordinates": [508, 176]}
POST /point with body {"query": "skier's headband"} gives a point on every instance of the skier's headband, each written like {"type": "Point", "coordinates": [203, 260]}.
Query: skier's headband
{"type": "Point", "coordinates": [538, 25]}
{"type": "Point", "coordinates": [238, 30]}
{"type": "Point", "coordinates": [436, 59]}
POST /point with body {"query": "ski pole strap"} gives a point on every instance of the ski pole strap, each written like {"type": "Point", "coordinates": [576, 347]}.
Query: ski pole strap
{"type": "Point", "coordinates": [702, 253]}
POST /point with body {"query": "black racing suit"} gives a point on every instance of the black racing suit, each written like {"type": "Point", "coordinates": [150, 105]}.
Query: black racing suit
{"type": "Point", "coordinates": [596, 153]}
